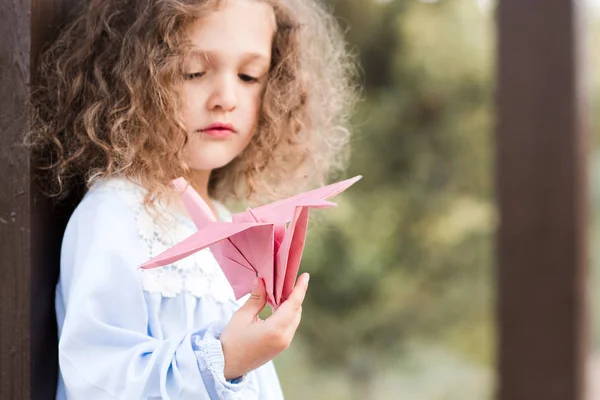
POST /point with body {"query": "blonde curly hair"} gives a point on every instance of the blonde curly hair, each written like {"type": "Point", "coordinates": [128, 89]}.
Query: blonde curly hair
{"type": "Point", "coordinates": [107, 98]}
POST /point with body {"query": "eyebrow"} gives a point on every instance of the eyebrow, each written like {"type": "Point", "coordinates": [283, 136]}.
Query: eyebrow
{"type": "Point", "coordinates": [249, 56]}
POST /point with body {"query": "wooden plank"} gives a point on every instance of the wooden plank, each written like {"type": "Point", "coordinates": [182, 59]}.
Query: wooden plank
{"type": "Point", "coordinates": [542, 198]}
{"type": "Point", "coordinates": [30, 227]}
{"type": "Point", "coordinates": [14, 200]}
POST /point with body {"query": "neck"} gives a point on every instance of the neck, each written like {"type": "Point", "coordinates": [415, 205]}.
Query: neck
{"type": "Point", "coordinates": [199, 182]}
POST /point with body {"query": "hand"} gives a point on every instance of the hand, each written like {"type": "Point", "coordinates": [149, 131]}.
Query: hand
{"type": "Point", "coordinates": [249, 342]}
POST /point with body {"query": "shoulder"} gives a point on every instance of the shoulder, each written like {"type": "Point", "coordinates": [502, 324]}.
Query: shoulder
{"type": "Point", "coordinates": [114, 192]}
{"type": "Point", "coordinates": [101, 237]}
{"type": "Point", "coordinates": [116, 207]}
{"type": "Point", "coordinates": [107, 205]}
{"type": "Point", "coordinates": [105, 218]}
{"type": "Point", "coordinates": [108, 200]}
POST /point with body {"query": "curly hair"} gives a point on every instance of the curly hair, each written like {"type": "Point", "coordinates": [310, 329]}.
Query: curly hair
{"type": "Point", "coordinates": [107, 98]}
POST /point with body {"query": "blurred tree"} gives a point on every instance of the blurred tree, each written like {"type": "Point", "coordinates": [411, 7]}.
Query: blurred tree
{"type": "Point", "coordinates": [407, 256]}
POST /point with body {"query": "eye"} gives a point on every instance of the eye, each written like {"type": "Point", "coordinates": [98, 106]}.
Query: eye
{"type": "Point", "coordinates": [247, 78]}
{"type": "Point", "coordinates": [194, 75]}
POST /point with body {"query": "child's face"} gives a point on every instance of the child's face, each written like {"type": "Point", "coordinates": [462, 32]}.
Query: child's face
{"type": "Point", "coordinates": [225, 80]}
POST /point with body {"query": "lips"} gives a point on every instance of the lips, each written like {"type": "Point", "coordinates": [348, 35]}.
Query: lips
{"type": "Point", "coordinates": [218, 130]}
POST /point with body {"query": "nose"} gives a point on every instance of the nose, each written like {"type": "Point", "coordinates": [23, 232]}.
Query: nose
{"type": "Point", "coordinates": [223, 96]}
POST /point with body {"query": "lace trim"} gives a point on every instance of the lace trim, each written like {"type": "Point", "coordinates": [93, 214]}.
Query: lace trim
{"type": "Point", "coordinates": [199, 274]}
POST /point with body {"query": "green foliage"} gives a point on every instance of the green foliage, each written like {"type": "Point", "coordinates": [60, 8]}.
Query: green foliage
{"type": "Point", "coordinates": [407, 258]}
{"type": "Point", "coordinates": [407, 255]}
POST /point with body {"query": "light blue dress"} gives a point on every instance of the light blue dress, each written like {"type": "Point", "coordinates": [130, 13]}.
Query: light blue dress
{"type": "Point", "coordinates": [128, 334]}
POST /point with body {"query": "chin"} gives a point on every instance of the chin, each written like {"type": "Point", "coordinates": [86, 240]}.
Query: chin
{"type": "Point", "coordinates": [209, 162]}
{"type": "Point", "coordinates": [208, 156]}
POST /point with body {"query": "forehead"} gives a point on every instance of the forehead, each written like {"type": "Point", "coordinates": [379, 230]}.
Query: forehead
{"type": "Point", "coordinates": [237, 26]}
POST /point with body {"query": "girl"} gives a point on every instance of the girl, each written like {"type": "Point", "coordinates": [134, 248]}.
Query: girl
{"type": "Point", "coordinates": [246, 99]}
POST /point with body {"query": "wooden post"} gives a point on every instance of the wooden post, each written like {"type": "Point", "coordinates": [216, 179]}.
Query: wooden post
{"type": "Point", "coordinates": [542, 194]}
{"type": "Point", "coordinates": [30, 227]}
{"type": "Point", "coordinates": [15, 226]}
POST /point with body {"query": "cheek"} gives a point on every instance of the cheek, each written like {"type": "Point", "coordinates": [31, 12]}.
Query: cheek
{"type": "Point", "coordinates": [185, 107]}
{"type": "Point", "coordinates": [253, 100]}
{"type": "Point", "coordinates": [254, 108]}
{"type": "Point", "coordinates": [189, 103]}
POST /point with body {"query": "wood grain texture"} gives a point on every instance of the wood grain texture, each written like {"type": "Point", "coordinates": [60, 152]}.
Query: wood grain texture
{"type": "Point", "coordinates": [14, 200]}
{"type": "Point", "coordinates": [30, 226]}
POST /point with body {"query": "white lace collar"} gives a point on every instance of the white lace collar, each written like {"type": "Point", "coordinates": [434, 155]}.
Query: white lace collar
{"type": "Point", "coordinates": [199, 274]}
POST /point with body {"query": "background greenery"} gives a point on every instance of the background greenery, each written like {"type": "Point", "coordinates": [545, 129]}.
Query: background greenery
{"type": "Point", "coordinates": [401, 303]}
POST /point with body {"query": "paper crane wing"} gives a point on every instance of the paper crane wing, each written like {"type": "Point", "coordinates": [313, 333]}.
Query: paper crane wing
{"type": "Point", "coordinates": [205, 237]}
{"type": "Point", "coordinates": [283, 210]}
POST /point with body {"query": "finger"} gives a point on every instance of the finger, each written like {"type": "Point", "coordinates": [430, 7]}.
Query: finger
{"type": "Point", "coordinates": [291, 330]}
{"type": "Point", "coordinates": [299, 291]}
{"type": "Point", "coordinates": [257, 300]}
{"type": "Point", "coordinates": [286, 312]}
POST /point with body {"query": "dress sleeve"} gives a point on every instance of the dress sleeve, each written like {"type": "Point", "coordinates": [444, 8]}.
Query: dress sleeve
{"type": "Point", "coordinates": [105, 348]}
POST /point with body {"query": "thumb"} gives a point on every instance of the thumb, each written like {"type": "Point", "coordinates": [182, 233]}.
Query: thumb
{"type": "Point", "coordinates": [258, 298]}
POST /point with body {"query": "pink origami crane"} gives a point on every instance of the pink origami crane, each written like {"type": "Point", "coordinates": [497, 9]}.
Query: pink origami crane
{"type": "Point", "coordinates": [256, 242]}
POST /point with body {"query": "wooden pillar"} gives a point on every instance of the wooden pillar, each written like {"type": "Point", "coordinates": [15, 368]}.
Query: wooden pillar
{"type": "Point", "coordinates": [542, 195]}
{"type": "Point", "coordinates": [14, 201]}
{"type": "Point", "coordinates": [30, 227]}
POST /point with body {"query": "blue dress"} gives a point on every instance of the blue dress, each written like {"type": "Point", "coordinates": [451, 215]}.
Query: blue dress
{"type": "Point", "coordinates": [128, 334]}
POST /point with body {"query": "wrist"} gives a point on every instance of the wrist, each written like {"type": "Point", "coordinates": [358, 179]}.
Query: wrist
{"type": "Point", "coordinates": [230, 370]}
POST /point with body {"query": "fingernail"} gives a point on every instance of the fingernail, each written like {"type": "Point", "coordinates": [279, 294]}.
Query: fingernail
{"type": "Point", "coordinates": [256, 284]}
{"type": "Point", "coordinates": [307, 277]}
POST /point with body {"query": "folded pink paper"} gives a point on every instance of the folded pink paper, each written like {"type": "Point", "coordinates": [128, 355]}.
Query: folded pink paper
{"type": "Point", "coordinates": [258, 242]}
